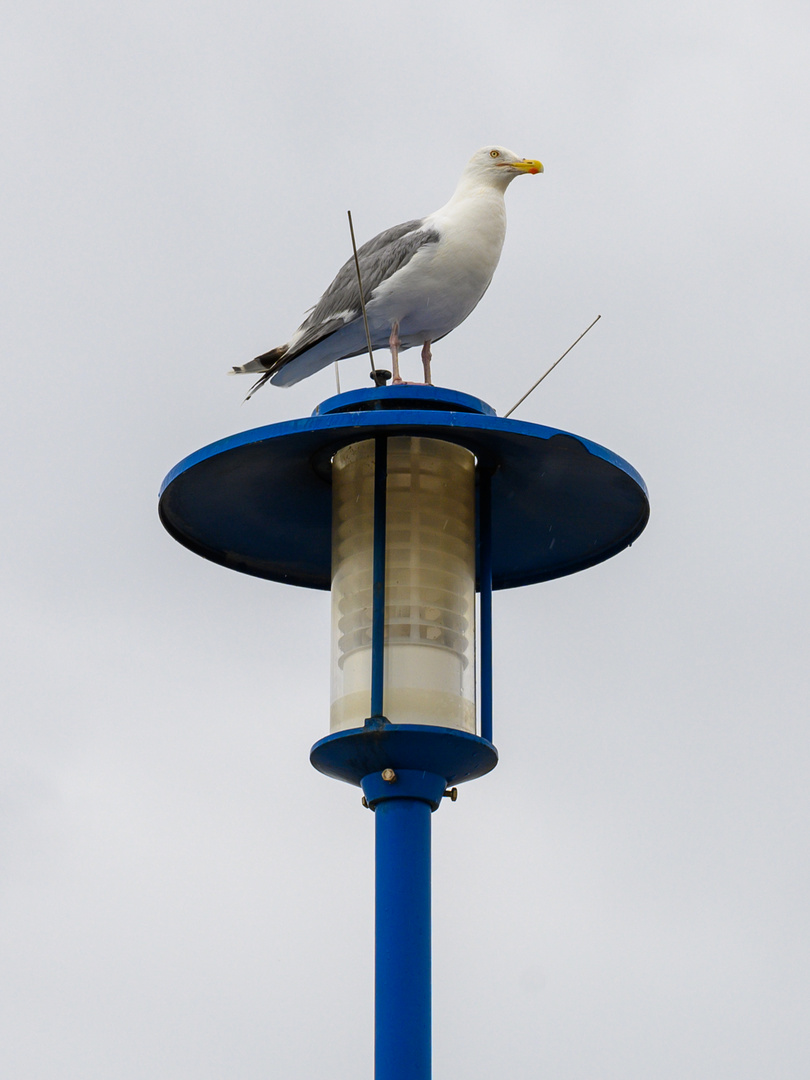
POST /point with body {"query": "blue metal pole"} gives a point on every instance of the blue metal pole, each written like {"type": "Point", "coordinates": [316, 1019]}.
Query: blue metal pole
{"type": "Point", "coordinates": [378, 574]}
{"type": "Point", "coordinates": [402, 801]}
{"type": "Point", "coordinates": [485, 585]}
{"type": "Point", "coordinates": [402, 998]}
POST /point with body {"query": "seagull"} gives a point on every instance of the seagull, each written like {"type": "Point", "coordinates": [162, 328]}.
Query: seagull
{"type": "Point", "coordinates": [420, 280]}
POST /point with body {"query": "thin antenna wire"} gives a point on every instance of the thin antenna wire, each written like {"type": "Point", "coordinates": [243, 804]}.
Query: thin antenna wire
{"type": "Point", "coordinates": [362, 298]}
{"type": "Point", "coordinates": [337, 377]}
{"type": "Point", "coordinates": [567, 351]}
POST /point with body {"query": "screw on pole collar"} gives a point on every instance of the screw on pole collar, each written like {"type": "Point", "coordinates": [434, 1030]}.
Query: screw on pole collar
{"type": "Point", "coordinates": [451, 794]}
{"type": "Point", "coordinates": [404, 784]}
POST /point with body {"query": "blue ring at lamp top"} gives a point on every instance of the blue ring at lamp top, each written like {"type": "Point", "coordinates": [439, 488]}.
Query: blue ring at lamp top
{"type": "Point", "coordinates": [261, 501]}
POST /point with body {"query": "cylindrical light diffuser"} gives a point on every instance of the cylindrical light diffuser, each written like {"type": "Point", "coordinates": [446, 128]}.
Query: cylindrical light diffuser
{"type": "Point", "coordinates": [429, 611]}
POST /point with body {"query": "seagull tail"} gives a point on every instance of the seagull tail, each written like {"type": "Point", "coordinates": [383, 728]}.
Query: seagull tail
{"type": "Point", "coordinates": [268, 363]}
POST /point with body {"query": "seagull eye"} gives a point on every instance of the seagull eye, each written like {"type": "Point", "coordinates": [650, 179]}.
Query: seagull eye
{"type": "Point", "coordinates": [494, 153]}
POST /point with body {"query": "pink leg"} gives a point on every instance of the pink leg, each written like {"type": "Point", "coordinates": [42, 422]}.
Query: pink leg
{"type": "Point", "coordinates": [394, 344]}
{"type": "Point", "coordinates": [426, 358]}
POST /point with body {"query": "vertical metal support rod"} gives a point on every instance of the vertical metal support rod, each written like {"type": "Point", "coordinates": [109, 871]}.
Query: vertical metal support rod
{"type": "Point", "coordinates": [402, 988]}
{"type": "Point", "coordinates": [485, 572]}
{"type": "Point", "coordinates": [378, 576]}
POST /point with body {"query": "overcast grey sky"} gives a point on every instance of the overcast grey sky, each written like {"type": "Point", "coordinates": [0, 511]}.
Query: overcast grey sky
{"type": "Point", "coordinates": [181, 896]}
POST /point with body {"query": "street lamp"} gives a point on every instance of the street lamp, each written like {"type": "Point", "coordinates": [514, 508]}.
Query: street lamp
{"type": "Point", "coordinates": [405, 501]}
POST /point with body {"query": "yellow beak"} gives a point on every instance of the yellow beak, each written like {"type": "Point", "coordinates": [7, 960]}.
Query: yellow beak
{"type": "Point", "coordinates": [526, 166]}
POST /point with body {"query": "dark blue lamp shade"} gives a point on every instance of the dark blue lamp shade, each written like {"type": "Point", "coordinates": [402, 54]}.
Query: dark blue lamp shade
{"type": "Point", "coordinates": [261, 501]}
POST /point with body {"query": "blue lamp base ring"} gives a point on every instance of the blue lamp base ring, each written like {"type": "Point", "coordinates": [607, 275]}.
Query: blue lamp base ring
{"type": "Point", "coordinates": [379, 787]}
{"type": "Point", "coordinates": [352, 755]}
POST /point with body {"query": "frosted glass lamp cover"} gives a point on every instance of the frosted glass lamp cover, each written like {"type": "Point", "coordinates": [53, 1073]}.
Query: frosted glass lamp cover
{"type": "Point", "coordinates": [429, 651]}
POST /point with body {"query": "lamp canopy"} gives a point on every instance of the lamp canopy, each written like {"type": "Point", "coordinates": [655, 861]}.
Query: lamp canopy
{"type": "Point", "coordinates": [261, 501]}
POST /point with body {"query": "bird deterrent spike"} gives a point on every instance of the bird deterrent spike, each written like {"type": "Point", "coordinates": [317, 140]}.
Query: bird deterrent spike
{"type": "Point", "coordinates": [567, 351]}
{"type": "Point", "coordinates": [362, 298]}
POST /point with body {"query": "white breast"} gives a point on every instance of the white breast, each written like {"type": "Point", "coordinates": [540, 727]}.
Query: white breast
{"type": "Point", "coordinates": [441, 285]}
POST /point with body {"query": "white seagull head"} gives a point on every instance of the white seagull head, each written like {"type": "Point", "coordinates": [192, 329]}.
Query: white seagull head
{"type": "Point", "coordinates": [497, 167]}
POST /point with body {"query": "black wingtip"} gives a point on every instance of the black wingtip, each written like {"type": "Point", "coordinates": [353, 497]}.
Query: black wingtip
{"type": "Point", "coordinates": [257, 385]}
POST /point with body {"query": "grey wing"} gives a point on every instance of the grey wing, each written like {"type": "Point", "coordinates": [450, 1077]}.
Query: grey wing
{"type": "Point", "coordinates": [379, 258]}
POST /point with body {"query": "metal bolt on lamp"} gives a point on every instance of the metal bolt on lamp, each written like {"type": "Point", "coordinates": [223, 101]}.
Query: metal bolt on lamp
{"type": "Point", "coordinates": [405, 502]}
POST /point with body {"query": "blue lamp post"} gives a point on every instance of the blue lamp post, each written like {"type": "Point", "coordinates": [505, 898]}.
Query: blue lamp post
{"type": "Point", "coordinates": [405, 502]}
